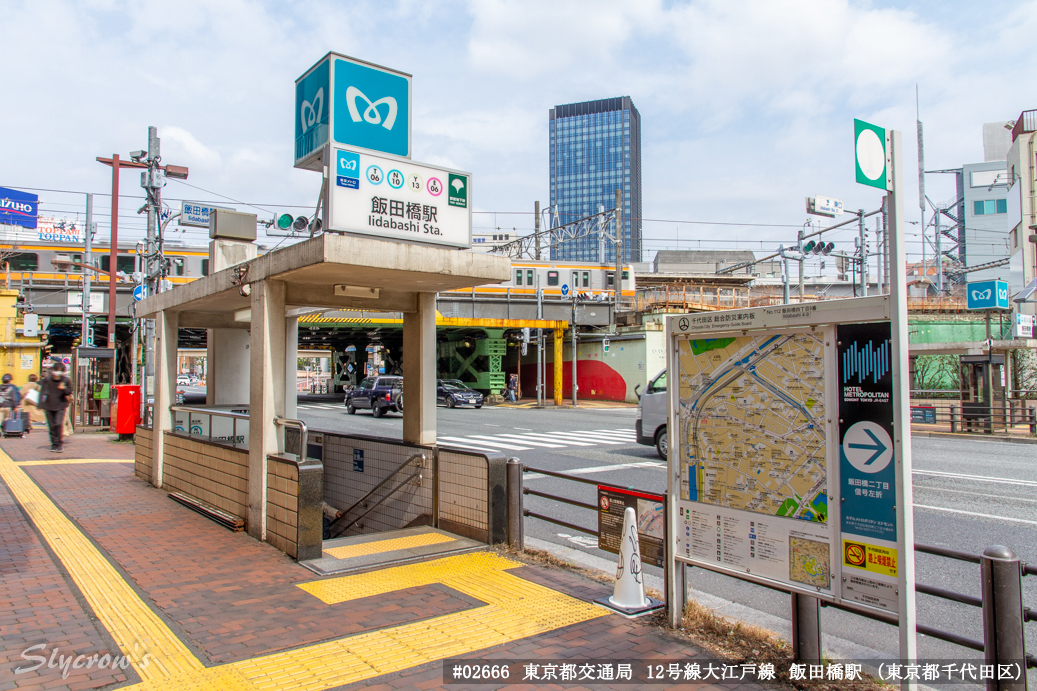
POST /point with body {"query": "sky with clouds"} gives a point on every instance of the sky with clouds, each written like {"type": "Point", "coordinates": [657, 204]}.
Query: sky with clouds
{"type": "Point", "coordinates": [746, 106]}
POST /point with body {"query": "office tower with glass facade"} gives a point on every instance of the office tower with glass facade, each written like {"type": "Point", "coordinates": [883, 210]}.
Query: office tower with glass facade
{"type": "Point", "coordinates": [596, 149]}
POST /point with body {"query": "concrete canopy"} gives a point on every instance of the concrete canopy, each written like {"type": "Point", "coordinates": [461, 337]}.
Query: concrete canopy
{"type": "Point", "coordinates": [311, 269]}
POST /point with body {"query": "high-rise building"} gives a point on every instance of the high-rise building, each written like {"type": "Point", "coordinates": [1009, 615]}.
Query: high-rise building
{"type": "Point", "coordinates": [595, 150]}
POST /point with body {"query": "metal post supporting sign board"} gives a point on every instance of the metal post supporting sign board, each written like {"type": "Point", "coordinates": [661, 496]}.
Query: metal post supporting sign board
{"type": "Point", "coordinates": [651, 521]}
{"type": "Point", "coordinates": [781, 453]}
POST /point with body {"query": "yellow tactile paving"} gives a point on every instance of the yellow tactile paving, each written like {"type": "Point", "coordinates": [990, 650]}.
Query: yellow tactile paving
{"type": "Point", "coordinates": [380, 546]}
{"type": "Point", "coordinates": [515, 609]}
{"type": "Point", "coordinates": [135, 628]}
{"type": "Point", "coordinates": [74, 461]}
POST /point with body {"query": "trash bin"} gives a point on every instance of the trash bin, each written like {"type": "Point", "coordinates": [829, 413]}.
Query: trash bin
{"type": "Point", "coordinates": [126, 408]}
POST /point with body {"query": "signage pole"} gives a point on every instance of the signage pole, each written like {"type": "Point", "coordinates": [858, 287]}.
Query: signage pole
{"type": "Point", "coordinates": [901, 405]}
{"type": "Point", "coordinates": [85, 331]}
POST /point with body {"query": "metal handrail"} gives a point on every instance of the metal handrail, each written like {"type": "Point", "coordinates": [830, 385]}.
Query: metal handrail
{"type": "Point", "coordinates": [234, 417]}
{"type": "Point", "coordinates": [376, 488]}
{"type": "Point", "coordinates": [394, 490]}
{"type": "Point", "coordinates": [303, 432]}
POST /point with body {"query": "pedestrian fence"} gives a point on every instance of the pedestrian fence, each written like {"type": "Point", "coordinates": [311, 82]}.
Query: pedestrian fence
{"type": "Point", "coordinates": [1000, 599]}
{"type": "Point", "coordinates": [975, 417]}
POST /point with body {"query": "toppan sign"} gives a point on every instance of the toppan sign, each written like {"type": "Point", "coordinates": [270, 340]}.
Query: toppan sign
{"type": "Point", "coordinates": [347, 102]}
{"type": "Point", "coordinates": [398, 199]}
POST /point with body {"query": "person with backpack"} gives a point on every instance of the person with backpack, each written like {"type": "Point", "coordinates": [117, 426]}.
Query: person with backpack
{"type": "Point", "coordinates": [10, 399]}
{"type": "Point", "coordinates": [55, 392]}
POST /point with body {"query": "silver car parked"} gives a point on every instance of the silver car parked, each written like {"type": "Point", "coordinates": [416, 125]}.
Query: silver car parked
{"type": "Point", "coordinates": [651, 415]}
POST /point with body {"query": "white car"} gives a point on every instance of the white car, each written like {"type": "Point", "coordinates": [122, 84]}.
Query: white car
{"type": "Point", "coordinates": [183, 380]}
{"type": "Point", "coordinates": [650, 425]}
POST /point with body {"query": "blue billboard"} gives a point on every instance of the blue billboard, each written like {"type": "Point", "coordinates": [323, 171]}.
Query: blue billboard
{"type": "Point", "coordinates": [988, 295]}
{"type": "Point", "coordinates": [18, 208]}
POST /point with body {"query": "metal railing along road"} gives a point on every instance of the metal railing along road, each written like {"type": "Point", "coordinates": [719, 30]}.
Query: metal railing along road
{"type": "Point", "coordinates": [1000, 570]}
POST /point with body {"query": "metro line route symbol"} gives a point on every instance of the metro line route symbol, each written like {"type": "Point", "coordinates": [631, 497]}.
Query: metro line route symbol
{"type": "Point", "coordinates": [435, 187]}
{"type": "Point", "coordinates": [867, 447]}
{"type": "Point", "coordinates": [395, 179]}
{"type": "Point", "coordinates": [414, 182]}
{"type": "Point", "coordinates": [375, 175]}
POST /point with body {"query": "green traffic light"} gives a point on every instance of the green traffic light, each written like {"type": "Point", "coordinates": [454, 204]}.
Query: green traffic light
{"type": "Point", "coordinates": [809, 247]}
{"type": "Point", "coordinates": [284, 221]}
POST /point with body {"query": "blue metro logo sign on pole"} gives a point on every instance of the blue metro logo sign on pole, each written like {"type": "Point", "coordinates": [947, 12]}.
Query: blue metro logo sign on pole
{"type": "Point", "coordinates": [988, 295]}
{"type": "Point", "coordinates": [351, 103]}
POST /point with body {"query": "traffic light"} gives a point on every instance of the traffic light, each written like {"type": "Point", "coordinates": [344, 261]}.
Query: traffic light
{"type": "Point", "coordinates": [605, 345]}
{"type": "Point", "coordinates": [820, 247]}
{"type": "Point", "coordinates": [809, 247]}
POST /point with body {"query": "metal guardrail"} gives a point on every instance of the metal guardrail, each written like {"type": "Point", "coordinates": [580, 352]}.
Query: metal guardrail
{"type": "Point", "coordinates": [970, 417]}
{"type": "Point", "coordinates": [210, 413]}
{"type": "Point", "coordinates": [282, 421]}
{"type": "Point", "coordinates": [360, 502]}
{"type": "Point", "coordinates": [1004, 614]}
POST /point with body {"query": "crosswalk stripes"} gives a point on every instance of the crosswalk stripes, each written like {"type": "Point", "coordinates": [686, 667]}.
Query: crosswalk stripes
{"type": "Point", "coordinates": [525, 441]}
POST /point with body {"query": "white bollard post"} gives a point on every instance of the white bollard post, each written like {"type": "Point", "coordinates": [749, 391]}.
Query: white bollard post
{"type": "Point", "coordinates": [628, 597]}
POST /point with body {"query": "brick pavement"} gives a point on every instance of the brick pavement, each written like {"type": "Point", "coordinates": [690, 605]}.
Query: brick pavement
{"type": "Point", "coordinates": [230, 598]}
{"type": "Point", "coordinates": [36, 446]}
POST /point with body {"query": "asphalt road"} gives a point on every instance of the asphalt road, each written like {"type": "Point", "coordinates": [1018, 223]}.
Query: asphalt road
{"type": "Point", "coordinates": [968, 495]}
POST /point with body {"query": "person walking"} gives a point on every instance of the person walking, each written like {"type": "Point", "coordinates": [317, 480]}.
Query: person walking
{"type": "Point", "coordinates": [54, 394]}
{"type": "Point", "coordinates": [10, 398]}
{"type": "Point", "coordinates": [31, 401]}
{"type": "Point", "coordinates": [513, 388]}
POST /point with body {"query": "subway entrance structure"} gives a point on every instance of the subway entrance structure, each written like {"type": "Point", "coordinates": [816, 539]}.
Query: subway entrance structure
{"type": "Point", "coordinates": [241, 454]}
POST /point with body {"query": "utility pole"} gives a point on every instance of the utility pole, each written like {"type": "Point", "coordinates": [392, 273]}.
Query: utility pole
{"type": "Point", "coordinates": [921, 191]}
{"type": "Point", "coordinates": [863, 233]}
{"type": "Point", "coordinates": [619, 255]}
{"type": "Point", "coordinates": [84, 336]}
{"type": "Point", "coordinates": [785, 280]}
{"type": "Point", "coordinates": [536, 229]}
{"type": "Point", "coordinates": [880, 247]}
{"type": "Point", "coordinates": [152, 253]}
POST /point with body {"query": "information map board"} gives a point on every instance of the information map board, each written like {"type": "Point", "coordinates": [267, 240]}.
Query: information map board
{"type": "Point", "coordinates": [781, 454]}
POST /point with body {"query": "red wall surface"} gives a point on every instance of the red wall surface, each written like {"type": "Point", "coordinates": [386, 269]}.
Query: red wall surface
{"type": "Point", "coordinates": [592, 375]}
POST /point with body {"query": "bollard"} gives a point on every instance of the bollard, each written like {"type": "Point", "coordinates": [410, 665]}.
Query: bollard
{"type": "Point", "coordinates": [954, 418]}
{"type": "Point", "coordinates": [516, 538]}
{"type": "Point", "coordinates": [1033, 419]}
{"type": "Point", "coordinates": [806, 628]}
{"type": "Point", "coordinates": [1003, 635]}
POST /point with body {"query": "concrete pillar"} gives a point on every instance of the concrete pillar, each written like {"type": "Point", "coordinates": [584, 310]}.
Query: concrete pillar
{"type": "Point", "coordinates": [291, 367]}
{"type": "Point", "coordinates": [228, 364]}
{"type": "Point", "coordinates": [559, 343]}
{"type": "Point", "coordinates": [165, 386]}
{"type": "Point", "coordinates": [267, 388]}
{"type": "Point", "coordinates": [419, 372]}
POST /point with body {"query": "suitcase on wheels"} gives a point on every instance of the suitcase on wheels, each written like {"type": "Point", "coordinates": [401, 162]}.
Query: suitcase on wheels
{"type": "Point", "coordinates": [14, 427]}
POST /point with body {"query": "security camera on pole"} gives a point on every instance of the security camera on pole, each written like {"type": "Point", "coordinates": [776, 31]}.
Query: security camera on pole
{"type": "Point", "coordinates": [879, 164]}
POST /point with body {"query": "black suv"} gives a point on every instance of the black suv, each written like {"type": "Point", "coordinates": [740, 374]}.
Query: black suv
{"type": "Point", "coordinates": [454, 392]}
{"type": "Point", "coordinates": [379, 394]}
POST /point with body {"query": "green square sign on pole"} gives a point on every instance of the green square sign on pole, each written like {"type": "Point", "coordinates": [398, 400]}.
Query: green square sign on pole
{"type": "Point", "coordinates": [871, 155]}
{"type": "Point", "coordinates": [457, 191]}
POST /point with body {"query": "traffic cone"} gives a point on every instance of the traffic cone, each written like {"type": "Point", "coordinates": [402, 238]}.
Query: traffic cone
{"type": "Point", "coordinates": [628, 596]}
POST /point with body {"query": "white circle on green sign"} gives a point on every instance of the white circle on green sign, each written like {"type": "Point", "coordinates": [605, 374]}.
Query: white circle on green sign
{"type": "Point", "coordinates": [871, 155]}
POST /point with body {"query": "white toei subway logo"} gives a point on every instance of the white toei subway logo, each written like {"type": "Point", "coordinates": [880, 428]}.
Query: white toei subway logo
{"type": "Point", "coordinates": [310, 112]}
{"type": "Point", "coordinates": [371, 113]}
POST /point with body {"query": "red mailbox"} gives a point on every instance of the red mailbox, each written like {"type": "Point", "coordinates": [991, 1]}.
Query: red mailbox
{"type": "Point", "coordinates": [126, 408]}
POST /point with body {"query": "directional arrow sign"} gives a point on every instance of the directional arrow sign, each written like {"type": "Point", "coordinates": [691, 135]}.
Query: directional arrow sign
{"type": "Point", "coordinates": [867, 447]}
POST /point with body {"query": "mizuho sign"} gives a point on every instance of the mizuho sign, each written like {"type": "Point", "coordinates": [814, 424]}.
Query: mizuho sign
{"type": "Point", "coordinates": [347, 102]}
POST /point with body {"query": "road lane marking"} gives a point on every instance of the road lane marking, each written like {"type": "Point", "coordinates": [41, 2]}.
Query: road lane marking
{"type": "Point", "coordinates": [603, 469]}
{"type": "Point", "coordinates": [522, 440]}
{"type": "Point", "coordinates": [550, 438]}
{"type": "Point", "coordinates": [509, 447]}
{"type": "Point", "coordinates": [979, 478]}
{"type": "Point", "coordinates": [978, 515]}
{"type": "Point", "coordinates": [922, 488]}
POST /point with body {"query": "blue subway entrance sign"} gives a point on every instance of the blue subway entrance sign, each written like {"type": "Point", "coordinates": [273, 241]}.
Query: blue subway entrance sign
{"type": "Point", "coordinates": [351, 103]}
{"type": "Point", "coordinates": [988, 295]}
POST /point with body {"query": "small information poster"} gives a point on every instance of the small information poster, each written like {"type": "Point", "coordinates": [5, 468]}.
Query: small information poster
{"type": "Point", "coordinates": [651, 521]}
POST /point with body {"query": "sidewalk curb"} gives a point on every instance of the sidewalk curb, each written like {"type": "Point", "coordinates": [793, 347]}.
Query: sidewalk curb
{"type": "Point", "coordinates": [835, 647]}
